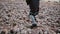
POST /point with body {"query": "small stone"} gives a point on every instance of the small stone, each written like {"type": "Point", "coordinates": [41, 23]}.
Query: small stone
{"type": "Point", "coordinates": [3, 32]}
{"type": "Point", "coordinates": [39, 33]}
{"type": "Point", "coordinates": [11, 32]}
{"type": "Point", "coordinates": [9, 15]}
{"type": "Point", "coordinates": [14, 24]}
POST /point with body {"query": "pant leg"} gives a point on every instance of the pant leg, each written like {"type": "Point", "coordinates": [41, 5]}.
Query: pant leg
{"type": "Point", "coordinates": [34, 7]}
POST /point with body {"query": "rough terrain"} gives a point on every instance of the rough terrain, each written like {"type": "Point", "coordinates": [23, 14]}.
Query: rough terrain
{"type": "Point", "coordinates": [14, 16]}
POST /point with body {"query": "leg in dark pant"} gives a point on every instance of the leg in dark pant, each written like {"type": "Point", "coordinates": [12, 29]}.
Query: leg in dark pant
{"type": "Point", "coordinates": [34, 7]}
{"type": "Point", "coordinates": [34, 10]}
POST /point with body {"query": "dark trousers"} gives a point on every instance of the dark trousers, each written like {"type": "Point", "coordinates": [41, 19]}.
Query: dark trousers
{"type": "Point", "coordinates": [34, 7]}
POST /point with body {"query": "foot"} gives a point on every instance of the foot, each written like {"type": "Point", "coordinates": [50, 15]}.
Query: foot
{"type": "Point", "coordinates": [33, 25]}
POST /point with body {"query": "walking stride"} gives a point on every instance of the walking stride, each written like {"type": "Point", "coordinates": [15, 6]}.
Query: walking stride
{"type": "Point", "coordinates": [34, 10]}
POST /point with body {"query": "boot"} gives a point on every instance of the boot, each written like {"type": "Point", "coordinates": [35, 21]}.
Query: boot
{"type": "Point", "coordinates": [34, 24]}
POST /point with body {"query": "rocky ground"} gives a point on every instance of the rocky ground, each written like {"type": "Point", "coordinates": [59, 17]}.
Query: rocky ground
{"type": "Point", "coordinates": [14, 18]}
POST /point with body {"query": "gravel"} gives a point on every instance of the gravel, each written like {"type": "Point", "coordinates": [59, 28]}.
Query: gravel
{"type": "Point", "coordinates": [14, 16]}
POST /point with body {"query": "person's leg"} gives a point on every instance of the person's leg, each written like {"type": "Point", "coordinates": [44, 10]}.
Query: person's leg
{"type": "Point", "coordinates": [34, 10]}
{"type": "Point", "coordinates": [34, 7]}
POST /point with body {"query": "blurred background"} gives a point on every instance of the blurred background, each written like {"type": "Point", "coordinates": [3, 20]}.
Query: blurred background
{"type": "Point", "coordinates": [14, 17]}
